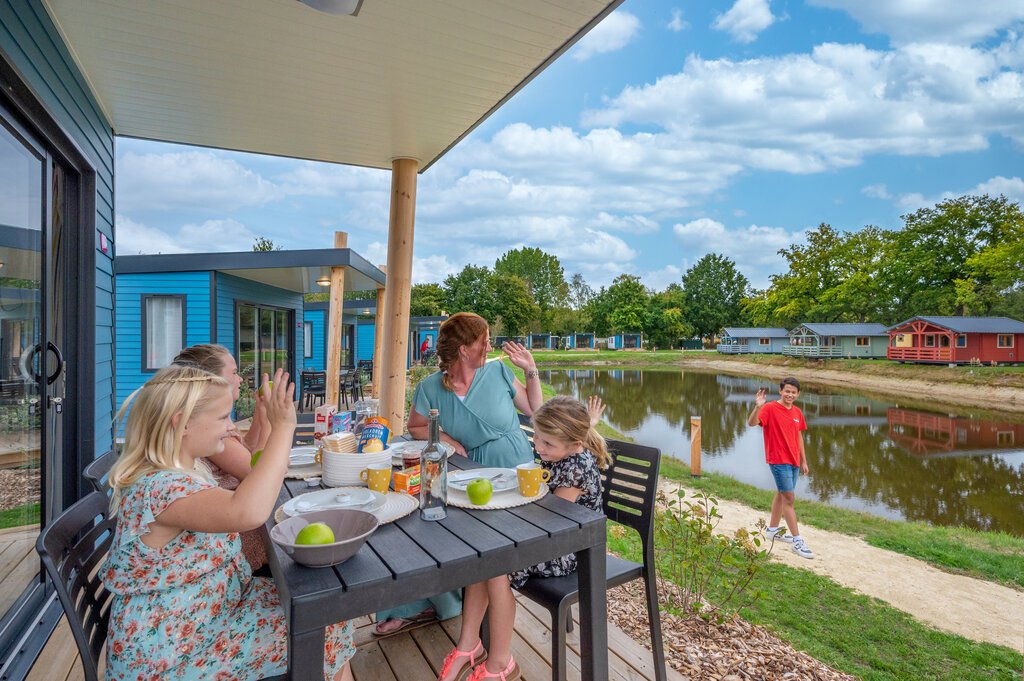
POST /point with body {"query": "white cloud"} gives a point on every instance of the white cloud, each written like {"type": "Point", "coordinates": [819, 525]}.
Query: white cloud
{"type": "Point", "coordinates": [754, 249]}
{"type": "Point", "coordinates": [211, 236]}
{"type": "Point", "coordinates": [745, 20]}
{"type": "Point", "coordinates": [658, 280]}
{"type": "Point", "coordinates": [189, 180]}
{"type": "Point", "coordinates": [613, 33]}
{"type": "Point", "coordinates": [1010, 187]}
{"type": "Point", "coordinates": [876, 191]}
{"type": "Point", "coordinates": [678, 23]}
{"type": "Point", "coordinates": [952, 21]}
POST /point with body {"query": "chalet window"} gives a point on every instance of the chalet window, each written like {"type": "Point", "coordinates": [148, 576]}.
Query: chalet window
{"type": "Point", "coordinates": [863, 410]}
{"type": "Point", "coordinates": [163, 330]}
{"type": "Point", "coordinates": [863, 341]}
{"type": "Point", "coordinates": [961, 341]}
{"type": "Point", "coordinates": [1004, 340]}
{"type": "Point", "coordinates": [1004, 438]}
{"type": "Point", "coordinates": [764, 341]}
{"type": "Point", "coordinates": [944, 341]}
{"type": "Point", "coordinates": [929, 341]}
{"type": "Point", "coordinates": [828, 340]}
{"type": "Point", "coordinates": [307, 339]}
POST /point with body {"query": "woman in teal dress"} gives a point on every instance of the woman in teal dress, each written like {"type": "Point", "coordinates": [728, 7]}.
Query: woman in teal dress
{"type": "Point", "coordinates": [477, 402]}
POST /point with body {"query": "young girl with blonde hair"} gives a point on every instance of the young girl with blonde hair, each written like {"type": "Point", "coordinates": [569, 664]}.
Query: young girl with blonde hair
{"type": "Point", "coordinates": [568, 445]}
{"type": "Point", "coordinates": [185, 603]}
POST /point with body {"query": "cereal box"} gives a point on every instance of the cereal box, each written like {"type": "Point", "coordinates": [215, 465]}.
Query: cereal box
{"type": "Point", "coordinates": [322, 421]}
{"type": "Point", "coordinates": [408, 481]}
{"type": "Point", "coordinates": [342, 422]}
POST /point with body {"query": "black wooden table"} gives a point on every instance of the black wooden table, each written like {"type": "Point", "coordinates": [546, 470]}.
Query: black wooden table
{"type": "Point", "coordinates": [411, 558]}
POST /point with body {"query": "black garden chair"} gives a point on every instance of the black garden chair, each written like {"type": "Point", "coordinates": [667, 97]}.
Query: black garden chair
{"type": "Point", "coordinates": [629, 488]}
{"type": "Point", "coordinates": [98, 470]}
{"type": "Point", "coordinates": [314, 385]}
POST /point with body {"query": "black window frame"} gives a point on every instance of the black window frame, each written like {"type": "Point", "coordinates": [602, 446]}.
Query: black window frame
{"type": "Point", "coordinates": [143, 298]}
{"type": "Point", "coordinates": [307, 339]}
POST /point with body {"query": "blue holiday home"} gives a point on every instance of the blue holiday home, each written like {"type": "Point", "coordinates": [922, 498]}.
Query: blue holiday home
{"type": "Point", "coordinates": [743, 340]}
{"type": "Point", "coordinates": [250, 302]}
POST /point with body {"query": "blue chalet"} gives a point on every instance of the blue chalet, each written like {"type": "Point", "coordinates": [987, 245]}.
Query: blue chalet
{"type": "Point", "coordinates": [250, 302]}
{"type": "Point", "coordinates": [737, 340]}
{"type": "Point", "coordinates": [75, 75]}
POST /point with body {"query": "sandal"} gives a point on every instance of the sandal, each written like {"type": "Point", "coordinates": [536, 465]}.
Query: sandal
{"type": "Point", "coordinates": [419, 620]}
{"type": "Point", "coordinates": [510, 673]}
{"type": "Point", "coordinates": [478, 654]}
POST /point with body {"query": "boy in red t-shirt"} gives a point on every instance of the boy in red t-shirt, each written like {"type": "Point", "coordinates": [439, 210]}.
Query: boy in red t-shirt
{"type": "Point", "coordinates": [782, 423]}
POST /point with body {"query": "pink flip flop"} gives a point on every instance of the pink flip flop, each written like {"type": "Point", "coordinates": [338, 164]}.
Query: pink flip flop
{"type": "Point", "coordinates": [510, 673]}
{"type": "Point", "coordinates": [478, 654]}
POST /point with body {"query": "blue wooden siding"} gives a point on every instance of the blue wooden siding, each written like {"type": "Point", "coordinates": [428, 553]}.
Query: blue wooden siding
{"type": "Point", "coordinates": [195, 286]}
{"type": "Point", "coordinates": [364, 339]}
{"type": "Point", "coordinates": [318, 360]}
{"type": "Point", "coordinates": [232, 289]}
{"type": "Point", "coordinates": [33, 45]}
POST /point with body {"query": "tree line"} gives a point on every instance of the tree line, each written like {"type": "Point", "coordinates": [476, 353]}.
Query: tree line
{"type": "Point", "coordinates": [963, 256]}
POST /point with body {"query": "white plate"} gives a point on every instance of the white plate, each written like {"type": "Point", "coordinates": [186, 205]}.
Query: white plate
{"type": "Point", "coordinates": [508, 480]}
{"type": "Point", "coordinates": [399, 447]}
{"type": "Point", "coordinates": [360, 499]}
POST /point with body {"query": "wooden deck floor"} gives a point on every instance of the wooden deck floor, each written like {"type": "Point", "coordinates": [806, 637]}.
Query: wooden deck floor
{"type": "Point", "coordinates": [19, 562]}
{"type": "Point", "coordinates": [416, 655]}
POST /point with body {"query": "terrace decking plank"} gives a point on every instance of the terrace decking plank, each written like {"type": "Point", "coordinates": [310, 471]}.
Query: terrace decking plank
{"type": "Point", "coordinates": [59, 657]}
{"type": "Point", "coordinates": [370, 664]}
{"type": "Point", "coordinates": [406, 660]}
{"type": "Point", "coordinates": [434, 643]}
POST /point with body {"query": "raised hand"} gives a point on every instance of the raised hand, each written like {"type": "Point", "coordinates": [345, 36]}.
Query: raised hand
{"type": "Point", "coordinates": [595, 407]}
{"type": "Point", "coordinates": [279, 400]}
{"type": "Point", "coordinates": [519, 355]}
{"type": "Point", "coordinates": [761, 398]}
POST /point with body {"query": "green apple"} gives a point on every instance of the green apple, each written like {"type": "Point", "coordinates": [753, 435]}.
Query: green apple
{"type": "Point", "coordinates": [255, 458]}
{"type": "Point", "coordinates": [270, 385]}
{"type": "Point", "coordinates": [315, 533]}
{"type": "Point", "coordinates": [479, 491]}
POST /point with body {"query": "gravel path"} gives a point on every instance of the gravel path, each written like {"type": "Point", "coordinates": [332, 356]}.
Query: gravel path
{"type": "Point", "coordinates": [973, 608]}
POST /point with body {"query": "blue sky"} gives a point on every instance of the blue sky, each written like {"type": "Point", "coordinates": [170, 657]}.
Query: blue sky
{"type": "Point", "coordinates": [672, 130]}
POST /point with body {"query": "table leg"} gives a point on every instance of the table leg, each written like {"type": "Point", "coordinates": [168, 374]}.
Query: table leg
{"type": "Point", "coordinates": [593, 612]}
{"type": "Point", "coordinates": [306, 655]}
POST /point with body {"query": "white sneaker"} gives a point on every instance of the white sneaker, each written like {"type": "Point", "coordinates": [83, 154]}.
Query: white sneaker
{"type": "Point", "coordinates": [779, 535]}
{"type": "Point", "coordinates": [800, 549]}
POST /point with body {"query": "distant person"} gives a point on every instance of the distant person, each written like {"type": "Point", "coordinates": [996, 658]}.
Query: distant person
{"type": "Point", "coordinates": [425, 347]}
{"type": "Point", "coordinates": [782, 423]}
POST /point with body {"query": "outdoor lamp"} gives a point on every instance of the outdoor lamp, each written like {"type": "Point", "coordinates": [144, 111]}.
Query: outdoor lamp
{"type": "Point", "coordinates": [324, 281]}
{"type": "Point", "coordinates": [350, 7]}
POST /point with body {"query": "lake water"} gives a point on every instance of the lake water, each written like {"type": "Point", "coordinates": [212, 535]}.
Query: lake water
{"type": "Point", "coordinates": [940, 465]}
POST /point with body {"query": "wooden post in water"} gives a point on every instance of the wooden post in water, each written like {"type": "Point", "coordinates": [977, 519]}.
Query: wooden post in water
{"type": "Point", "coordinates": [695, 446]}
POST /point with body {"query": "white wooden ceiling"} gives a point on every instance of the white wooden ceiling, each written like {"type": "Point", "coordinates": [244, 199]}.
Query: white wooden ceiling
{"type": "Point", "coordinates": [403, 78]}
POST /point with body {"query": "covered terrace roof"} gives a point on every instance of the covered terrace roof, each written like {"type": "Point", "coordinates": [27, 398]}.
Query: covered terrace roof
{"type": "Point", "coordinates": [291, 270]}
{"type": "Point", "coordinates": [401, 79]}
{"type": "Point", "coordinates": [969, 324]}
{"type": "Point", "coordinates": [842, 329]}
{"type": "Point", "coordinates": [749, 332]}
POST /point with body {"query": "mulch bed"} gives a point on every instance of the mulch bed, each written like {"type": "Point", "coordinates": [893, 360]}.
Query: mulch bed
{"type": "Point", "coordinates": [732, 651]}
{"type": "Point", "coordinates": [18, 487]}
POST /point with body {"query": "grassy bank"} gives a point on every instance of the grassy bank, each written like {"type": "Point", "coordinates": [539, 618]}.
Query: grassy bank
{"type": "Point", "coordinates": [20, 515]}
{"type": "Point", "coordinates": [858, 634]}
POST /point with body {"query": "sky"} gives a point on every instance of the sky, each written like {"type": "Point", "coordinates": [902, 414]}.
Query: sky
{"type": "Point", "coordinates": [672, 130]}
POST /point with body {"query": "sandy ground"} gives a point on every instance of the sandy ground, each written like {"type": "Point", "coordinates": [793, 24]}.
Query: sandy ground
{"type": "Point", "coordinates": [991, 397]}
{"type": "Point", "coordinates": [972, 608]}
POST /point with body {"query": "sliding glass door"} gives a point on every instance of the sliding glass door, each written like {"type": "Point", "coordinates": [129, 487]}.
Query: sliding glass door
{"type": "Point", "coordinates": [265, 340]}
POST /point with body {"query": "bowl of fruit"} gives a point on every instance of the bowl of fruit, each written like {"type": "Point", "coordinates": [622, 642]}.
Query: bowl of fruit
{"type": "Point", "coordinates": [323, 538]}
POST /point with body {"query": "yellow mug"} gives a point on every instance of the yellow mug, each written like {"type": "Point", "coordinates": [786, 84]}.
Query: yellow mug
{"type": "Point", "coordinates": [377, 477]}
{"type": "Point", "coordinates": [530, 476]}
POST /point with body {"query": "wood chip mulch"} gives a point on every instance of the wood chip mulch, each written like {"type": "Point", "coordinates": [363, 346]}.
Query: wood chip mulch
{"type": "Point", "coordinates": [18, 487]}
{"type": "Point", "coordinates": [732, 651]}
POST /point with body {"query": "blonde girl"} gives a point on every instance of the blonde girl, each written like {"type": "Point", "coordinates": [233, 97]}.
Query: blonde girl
{"type": "Point", "coordinates": [568, 446]}
{"type": "Point", "coordinates": [185, 603]}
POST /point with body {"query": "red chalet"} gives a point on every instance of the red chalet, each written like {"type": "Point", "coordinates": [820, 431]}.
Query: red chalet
{"type": "Point", "coordinates": [957, 339]}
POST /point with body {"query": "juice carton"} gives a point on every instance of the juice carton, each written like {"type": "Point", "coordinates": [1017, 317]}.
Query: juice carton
{"type": "Point", "coordinates": [408, 481]}
{"type": "Point", "coordinates": [342, 422]}
{"type": "Point", "coordinates": [322, 421]}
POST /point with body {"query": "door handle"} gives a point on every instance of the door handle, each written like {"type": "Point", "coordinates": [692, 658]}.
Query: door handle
{"type": "Point", "coordinates": [60, 362]}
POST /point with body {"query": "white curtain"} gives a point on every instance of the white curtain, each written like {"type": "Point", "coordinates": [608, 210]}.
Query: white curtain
{"type": "Point", "coordinates": [164, 320]}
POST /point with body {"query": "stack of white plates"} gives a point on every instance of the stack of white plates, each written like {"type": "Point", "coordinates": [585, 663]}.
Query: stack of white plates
{"type": "Point", "coordinates": [341, 469]}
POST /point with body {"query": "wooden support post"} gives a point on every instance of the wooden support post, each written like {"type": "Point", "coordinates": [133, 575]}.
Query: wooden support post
{"type": "Point", "coordinates": [334, 326]}
{"type": "Point", "coordinates": [378, 336]}
{"type": "Point", "coordinates": [695, 446]}
{"type": "Point", "coordinates": [396, 294]}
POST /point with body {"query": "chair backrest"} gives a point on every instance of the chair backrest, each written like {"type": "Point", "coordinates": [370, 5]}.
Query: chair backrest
{"type": "Point", "coordinates": [630, 486]}
{"type": "Point", "coordinates": [72, 548]}
{"type": "Point", "coordinates": [313, 379]}
{"type": "Point", "coordinates": [96, 472]}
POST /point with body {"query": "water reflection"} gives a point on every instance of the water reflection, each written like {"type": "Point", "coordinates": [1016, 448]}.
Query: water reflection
{"type": "Point", "coordinates": [863, 453]}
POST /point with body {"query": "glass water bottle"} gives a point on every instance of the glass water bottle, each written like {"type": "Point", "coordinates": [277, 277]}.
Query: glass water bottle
{"type": "Point", "coordinates": [433, 473]}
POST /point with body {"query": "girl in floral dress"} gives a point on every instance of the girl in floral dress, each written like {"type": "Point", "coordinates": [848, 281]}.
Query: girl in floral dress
{"type": "Point", "coordinates": [565, 439]}
{"type": "Point", "coordinates": [185, 603]}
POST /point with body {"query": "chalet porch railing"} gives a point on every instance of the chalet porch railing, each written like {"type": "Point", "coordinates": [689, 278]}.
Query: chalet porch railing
{"type": "Point", "coordinates": [732, 348]}
{"type": "Point", "coordinates": [812, 350]}
{"type": "Point", "coordinates": [917, 354]}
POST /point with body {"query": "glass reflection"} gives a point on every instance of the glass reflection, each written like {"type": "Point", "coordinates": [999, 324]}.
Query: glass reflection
{"type": "Point", "coordinates": [864, 454]}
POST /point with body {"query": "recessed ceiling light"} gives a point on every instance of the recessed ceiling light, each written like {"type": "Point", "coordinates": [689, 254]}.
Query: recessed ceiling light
{"type": "Point", "coordinates": [324, 281]}
{"type": "Point", "coordinates": [350, 7]}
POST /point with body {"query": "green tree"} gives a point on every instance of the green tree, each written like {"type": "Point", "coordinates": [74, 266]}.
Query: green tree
{"type": "Point", "coordinates": [934, 248]}
{"type": "Point", "coordinates": [543, 274]}
{"type": "Point", "coordinates": [514, 304]}
{"type": "Point", "coordinates": [426, 300]}
{"type": "Point", "coordinates": [712, 290]}
{"type": "Point", "coordinates": [996, 275]}
{"type": "Point", "coordinates": [664, 322]}
{"type": "Point", "coordinates": [599, 311]}
{"type": "Point", "coordinates": [628, 303]}
{"type": "Point", "coordinates": [471, 290]}
{"type": "Point", "coordinates": [264, 244]}
{"type": "Point", "coordinates": [579, 293]}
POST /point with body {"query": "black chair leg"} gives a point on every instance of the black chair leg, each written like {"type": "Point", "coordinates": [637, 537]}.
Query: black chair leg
{"type": "Point", "coordinates": [654, 620]}
{"type": "Point", "coordinates": [560, 619]}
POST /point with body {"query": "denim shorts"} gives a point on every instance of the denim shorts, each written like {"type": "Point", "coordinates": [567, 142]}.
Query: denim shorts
{"type": "Point", "coordinates": [785, 476]}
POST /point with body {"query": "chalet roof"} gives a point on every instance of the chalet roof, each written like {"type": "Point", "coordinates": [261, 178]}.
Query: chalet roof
{"type": "Point", "coordinates": [970, 324]}
{"type": "Point", "coordinates": [844, 329]}
{"type": "Point", "coordinates": [753, 332]}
